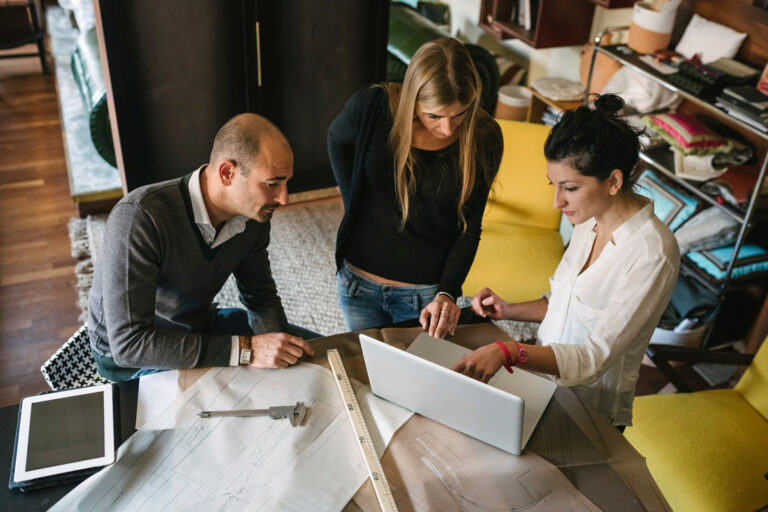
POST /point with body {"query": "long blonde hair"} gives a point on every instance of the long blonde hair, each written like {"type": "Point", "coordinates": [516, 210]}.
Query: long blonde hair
{"type": "Point", "coordinates": [441, 72]}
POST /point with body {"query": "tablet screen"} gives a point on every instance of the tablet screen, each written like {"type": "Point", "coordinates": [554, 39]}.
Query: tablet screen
{"type": "Point", "coordinates": [65, 431]}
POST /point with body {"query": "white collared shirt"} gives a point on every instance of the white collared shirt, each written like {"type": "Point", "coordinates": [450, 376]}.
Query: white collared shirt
{"type": "Point", "coordinates": [231, 227]}
{"type": "Point", "coordinates": [600, 322]}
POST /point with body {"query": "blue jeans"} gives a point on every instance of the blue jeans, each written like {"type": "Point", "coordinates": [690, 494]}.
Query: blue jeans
{"type": "Point", "coordinates": [366, 304]}
{"type": "Point", "coordinates": [234, 321]}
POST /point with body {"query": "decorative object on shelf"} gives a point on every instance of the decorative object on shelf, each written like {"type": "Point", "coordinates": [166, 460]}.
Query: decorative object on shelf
{"type": "Point", "coordinates": [735, 71]}
{"type": "Point", "coordinates": [708, 229]}
{"type": "Point", "coordinates": [649, 139]}
{"type": "Point", "coordinates": [670, 205]}
{"type": "Point", "coordinates": [751, 261]}
{"type": "Point", "coordinates": [708, 167]}
{"type": "Point", "coordinates": [640, 93]}
{"type": "Point", "coordinates": [698, 79]}
{"type": "Point", "coordinates": [651, 27]}
{"type": "Point", "coordinates": [513, 102]}
{"type": "Point", "coordinates": [762, 84]}
{"type": "Point", "coordinates": [735, 186]}
{"type": "Point", "coordinates": [696, 167]}
{"type": "Point", "coordinates": [605, 67]}
{"type": "Point", "coordinates": [746, 103]}
{"type": "Point", "coordinates": [709, 40]}
{"type": "Point", "coordinates": [559, 89]}
{"type": "Point", "coordinates": [688, 314]}
{"type": "Point", "coordinates": [687, 134]}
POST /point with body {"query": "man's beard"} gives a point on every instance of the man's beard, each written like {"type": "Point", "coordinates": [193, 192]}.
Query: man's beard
{"type": "Point", "coordinates": [265, 213]}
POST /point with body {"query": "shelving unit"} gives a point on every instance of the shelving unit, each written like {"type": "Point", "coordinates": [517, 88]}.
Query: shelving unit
{"type": "Point", "coordinates": [558, 23]}
{"type": "Point", "coordinates": [661, 159]}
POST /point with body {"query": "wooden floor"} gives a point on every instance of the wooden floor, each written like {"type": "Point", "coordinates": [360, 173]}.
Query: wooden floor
{"type": "Point", "coordinates": [37, 295]}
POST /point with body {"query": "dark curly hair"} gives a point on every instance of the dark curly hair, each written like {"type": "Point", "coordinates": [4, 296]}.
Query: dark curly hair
{"type": "Point", "coordinates": [596, 141]}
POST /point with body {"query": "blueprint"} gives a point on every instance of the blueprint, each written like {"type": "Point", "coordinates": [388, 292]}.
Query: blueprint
{"type": "Point", "coordinates": [431, 467]}
{"type": "Point", "coordinates": [183, 462]}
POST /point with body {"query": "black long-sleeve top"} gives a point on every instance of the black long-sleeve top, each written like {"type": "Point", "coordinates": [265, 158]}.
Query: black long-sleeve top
{"type": "Point", "coordinates": [432, 248]}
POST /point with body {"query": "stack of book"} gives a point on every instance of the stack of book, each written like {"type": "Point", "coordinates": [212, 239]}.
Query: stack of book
{"type": "Point", "coordinates": [550, 116]}
{"type": "Point", "coordinates": [747, 104]}
{"type": "Point", "coordinates": [525, 13]}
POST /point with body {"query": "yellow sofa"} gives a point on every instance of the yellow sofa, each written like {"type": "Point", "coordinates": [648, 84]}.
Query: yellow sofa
{"type": "Point", "coordinates": [520, 246]}
{"type": "Point", "coordinates": [708, 450]}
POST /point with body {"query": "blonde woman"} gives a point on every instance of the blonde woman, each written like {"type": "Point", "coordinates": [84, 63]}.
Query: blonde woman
{"type": "Point", "coordinates": [414, 163]}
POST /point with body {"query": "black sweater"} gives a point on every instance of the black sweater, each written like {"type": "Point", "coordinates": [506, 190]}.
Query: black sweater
{"type": "Point", "coordinates": [432, 248]}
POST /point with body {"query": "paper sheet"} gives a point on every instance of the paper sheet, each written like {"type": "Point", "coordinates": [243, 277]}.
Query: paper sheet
{"type": "Point", "coordinates": [431, 467]}
{"type": "Point", "coordinates": [156, 393]}
{"type": "Point", "coordinates": [253, 463]}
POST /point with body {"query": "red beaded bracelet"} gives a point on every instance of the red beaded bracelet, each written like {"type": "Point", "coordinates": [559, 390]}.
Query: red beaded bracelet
{"type": "Point", "coordinates": [509, 362]}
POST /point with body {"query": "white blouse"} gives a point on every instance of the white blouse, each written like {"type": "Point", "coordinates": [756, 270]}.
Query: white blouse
{"type": "Point", "coordinates": [600, 322]}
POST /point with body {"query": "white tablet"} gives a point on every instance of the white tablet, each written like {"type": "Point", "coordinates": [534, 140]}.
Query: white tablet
{"type": "Point", "coordinates": [64, 432]}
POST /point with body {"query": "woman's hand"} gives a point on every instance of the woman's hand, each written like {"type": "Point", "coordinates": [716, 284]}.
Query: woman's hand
{"type": "Point", "coordinates": [440, 317]}
{"type": "Point", "coordinates": [489, 305]}
{"type": "Point", "coordinates": [482, 364]}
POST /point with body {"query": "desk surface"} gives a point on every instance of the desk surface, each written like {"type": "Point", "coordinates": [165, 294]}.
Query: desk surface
{"type": "Point", "coordinates": [591, 453]}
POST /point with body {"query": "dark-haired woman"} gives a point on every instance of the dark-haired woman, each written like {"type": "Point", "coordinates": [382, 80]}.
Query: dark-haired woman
{"type": "Point", "coordinates": [414, 163]}
{"type": "Point", "coordinates": [614, 280]}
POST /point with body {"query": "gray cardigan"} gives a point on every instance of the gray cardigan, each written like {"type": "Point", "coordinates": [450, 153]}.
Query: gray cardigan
{"type": "Point", "coordinates": [156, 278]}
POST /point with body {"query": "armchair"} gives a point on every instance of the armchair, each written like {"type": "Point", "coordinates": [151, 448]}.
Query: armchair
{"type": "Point", "coordinates": [707, 450]}
{"type": "Point", "coordinates": [520, 246]}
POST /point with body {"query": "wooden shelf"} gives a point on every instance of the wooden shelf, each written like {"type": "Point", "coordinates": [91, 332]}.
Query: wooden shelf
{"type": "Point", "coordinates": [559, 22]}
{"type": "Point", "coordinates": [540, 103]}
{"type": "Point", "coordinates": [614, 4]}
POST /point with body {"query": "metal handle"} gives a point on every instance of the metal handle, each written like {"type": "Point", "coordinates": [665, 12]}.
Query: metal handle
{"type": "Point", "coordinates": [241, 412]}
{"type": "Point", "coordinates": [258, 55]}
{"type": "Point", "coordinates": [598, 39]}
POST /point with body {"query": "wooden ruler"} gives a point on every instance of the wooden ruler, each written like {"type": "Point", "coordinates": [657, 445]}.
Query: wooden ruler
{"type": "Point", "coordinates": [378, 479]}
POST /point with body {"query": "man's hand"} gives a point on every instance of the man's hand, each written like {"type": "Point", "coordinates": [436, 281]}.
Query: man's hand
{"type": "Point", "coordinates": [482, 364]}
{"type": "Point", "coordinates": [489, 305]}
{"type": "Point", "coordinates": [440, 317]}
{"type": "Point", "coordinates": [277, 350]}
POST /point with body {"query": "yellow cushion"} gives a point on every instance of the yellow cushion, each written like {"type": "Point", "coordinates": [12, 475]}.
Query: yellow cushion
{"type": "Point", "coordinates": [522, 194]}
{"type": "Point", "coordinates": [706, 450]}
{"type": "Point", "coordinates": [515, 261]}
{"type": "Point", "coordinates": [753, 385]}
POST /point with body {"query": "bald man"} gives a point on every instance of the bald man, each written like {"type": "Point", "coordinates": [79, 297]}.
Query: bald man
{"type": "Point", "coordinates": [168, 249]}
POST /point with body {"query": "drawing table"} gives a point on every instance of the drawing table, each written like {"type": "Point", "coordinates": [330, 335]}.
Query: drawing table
{"type": "Point", "coordinates": [591, 453]}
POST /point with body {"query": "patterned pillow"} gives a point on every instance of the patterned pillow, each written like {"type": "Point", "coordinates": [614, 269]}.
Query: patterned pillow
{"type": "Point", "coordinates": [752, 260]}
{"type": "Point", "coordinates": [687, 134]}
{"type": "Point", "coordinates": [670, 205]}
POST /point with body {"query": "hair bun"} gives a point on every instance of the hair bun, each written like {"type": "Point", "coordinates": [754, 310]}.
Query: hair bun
{"type": "Point", "coordinates": [608, 104]}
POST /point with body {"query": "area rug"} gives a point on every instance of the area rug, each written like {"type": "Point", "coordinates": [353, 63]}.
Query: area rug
{"type": "Point", "coordinates": [301, 253]}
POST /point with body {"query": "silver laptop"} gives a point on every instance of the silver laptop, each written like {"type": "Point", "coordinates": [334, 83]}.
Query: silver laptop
{"type": "Point", "coordinates": [502, 413]}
